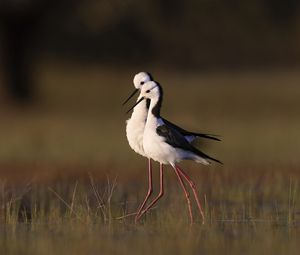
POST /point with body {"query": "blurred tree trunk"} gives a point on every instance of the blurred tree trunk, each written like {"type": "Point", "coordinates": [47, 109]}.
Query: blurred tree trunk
{"type": "Point", "coordinates": [283, 12]}
{"type": "Point", "coordinates": [17, 60]}
{"type": "Point", "coordinates": [19, 21]}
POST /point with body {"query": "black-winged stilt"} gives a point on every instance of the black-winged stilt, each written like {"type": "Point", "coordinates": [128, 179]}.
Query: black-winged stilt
{"type": "Point", "coordinates": [135, 129]}
{"type": "Point", "coordinates": [163, 142]}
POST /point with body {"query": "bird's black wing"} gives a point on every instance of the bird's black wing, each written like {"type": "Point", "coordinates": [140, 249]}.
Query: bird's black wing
{"type": "Point", "coordinates": [177, 140]}
{"type": "Point", "coordinates": [188, 133]}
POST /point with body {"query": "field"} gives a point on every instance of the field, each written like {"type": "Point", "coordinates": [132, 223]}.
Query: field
{"type": "Point", "coordinates": [69, 181]}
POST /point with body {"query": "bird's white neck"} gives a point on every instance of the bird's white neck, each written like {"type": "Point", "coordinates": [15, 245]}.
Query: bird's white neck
{"type": "Point", "coordinates": [154, 110]}
{"type": "Point", "coordinates": [140, 111]}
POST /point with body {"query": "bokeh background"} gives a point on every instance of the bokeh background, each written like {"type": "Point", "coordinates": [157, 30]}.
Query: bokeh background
{"type": "Point", "coordinates": [229, 68]}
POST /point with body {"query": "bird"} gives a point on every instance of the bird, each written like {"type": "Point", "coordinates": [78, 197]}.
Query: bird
{"type": "Point", "coordinates": [164, 143]}
{"type": "Point", "coordinates": [139, 80]}
{"type": "Point", "coordinates": [135, 130]}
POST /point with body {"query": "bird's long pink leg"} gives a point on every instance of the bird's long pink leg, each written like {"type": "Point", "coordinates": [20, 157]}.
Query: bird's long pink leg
{"type": "Point", "coordinates": [193, 187]}
{"type": "Point", "coordinates": [150, 189]}
{"type": "Point", "coordinates": [187, 195]}
{"type": "Point", "coordinates": [161, 192]}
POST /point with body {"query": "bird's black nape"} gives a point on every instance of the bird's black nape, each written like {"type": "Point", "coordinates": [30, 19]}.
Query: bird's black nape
{"type": "Point", "coordinates": [157, 107]}
{"type": "Point", "coordinates": [150, 76]}
{"type": "Point", "coordinates": [148, 101]}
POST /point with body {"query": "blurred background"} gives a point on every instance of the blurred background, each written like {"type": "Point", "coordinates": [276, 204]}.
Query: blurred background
{"type": "Point", "coordinates": [227, 67]}
{"type": "Point", "coordinates": [230, 68]}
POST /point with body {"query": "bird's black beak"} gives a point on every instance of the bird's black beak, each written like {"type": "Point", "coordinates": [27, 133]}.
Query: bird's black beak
{"type": "Point", "coordinates": [142, 98]}
{"type": "Point", "coordinates": [131, 95]}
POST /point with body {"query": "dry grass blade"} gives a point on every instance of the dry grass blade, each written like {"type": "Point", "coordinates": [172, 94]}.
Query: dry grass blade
{"type": "Point", "coordinates": [100, 201]}
{"type": "Point", "coordinates": [73, 198]}
{"type": "Point", "coordinates": [64, 202]}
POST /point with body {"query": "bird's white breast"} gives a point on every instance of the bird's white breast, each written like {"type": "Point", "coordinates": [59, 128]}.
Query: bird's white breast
{"type": "Point", "coordinates": [155, 146]}
{"type": "Point", "coordinates": [135, 128]}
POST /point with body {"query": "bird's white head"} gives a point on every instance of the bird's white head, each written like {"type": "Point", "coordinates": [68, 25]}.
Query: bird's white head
{"type": "Point", "coordinates": [151, 90]}
{"type": "Point", "coordinates": [140, 79]}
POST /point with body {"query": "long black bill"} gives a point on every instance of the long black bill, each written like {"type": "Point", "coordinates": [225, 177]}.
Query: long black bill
{"type": "Point", "coordinates": [131, 95]}
{"type": "Point", "coordinates": [142, 98]}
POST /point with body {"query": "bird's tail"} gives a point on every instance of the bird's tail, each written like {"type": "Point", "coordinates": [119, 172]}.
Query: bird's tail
{"type": "Point", "coordinates": [202, 160]}
{"type": "Point", "coordinates": [202, 157]}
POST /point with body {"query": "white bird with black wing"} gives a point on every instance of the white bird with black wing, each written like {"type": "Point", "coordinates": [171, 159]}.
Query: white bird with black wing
{"type": "Point", "coordinates": [164, 143]}
{"type": "Point", "coordinates": [135, 131]}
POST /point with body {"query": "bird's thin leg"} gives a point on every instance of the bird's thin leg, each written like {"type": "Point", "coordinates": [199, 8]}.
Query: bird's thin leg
{"type": "Point", "coordinates": [187, 195]}
{"type": "Point", "coordinates": [161, 192]}
{"type": "Point", "coordinates": [150, 189]}
{"type": "Point", "coordinates": [193, 187]}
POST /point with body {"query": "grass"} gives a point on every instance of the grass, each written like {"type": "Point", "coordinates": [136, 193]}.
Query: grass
{"type": "Point", "coordinates": [69, 182]}
{"type": "Point", "coordinates": [92, 216]}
